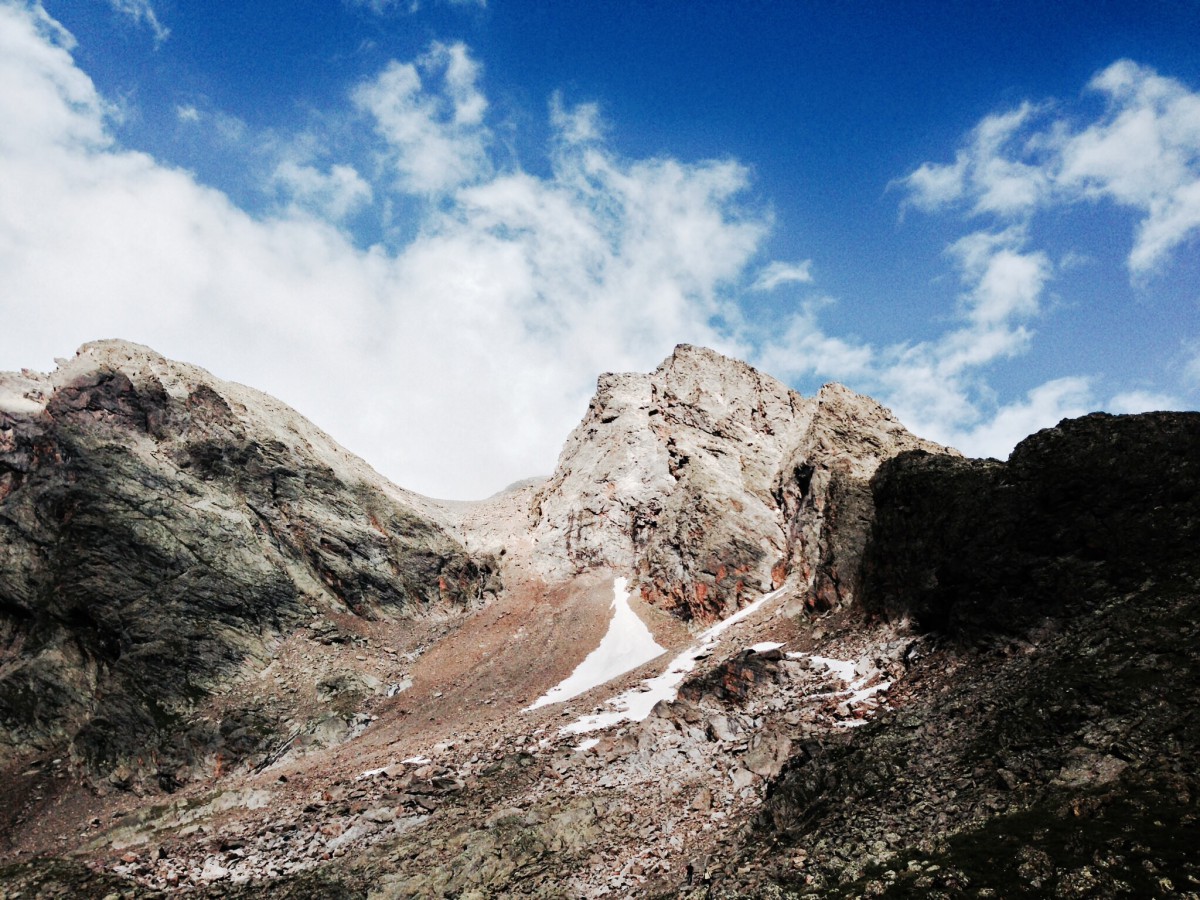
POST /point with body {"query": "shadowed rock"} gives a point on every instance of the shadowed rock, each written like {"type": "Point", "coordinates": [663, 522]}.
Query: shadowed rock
{"type": "Point", "coordinates": [157, 528]}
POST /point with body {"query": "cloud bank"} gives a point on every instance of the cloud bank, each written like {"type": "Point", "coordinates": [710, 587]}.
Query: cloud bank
{"type": "Point", "coordinates": [457, 359]}
{"type": "Point", "coordinates": [1142, 153]}
{"type": "Point", "coordinates": [456, 362]}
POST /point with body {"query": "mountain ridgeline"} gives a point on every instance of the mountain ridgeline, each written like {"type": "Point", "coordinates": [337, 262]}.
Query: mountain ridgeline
{"type": "Point", "coordinates": [158, 529]}
{"type": "Point", "coordinates": [235, 659]}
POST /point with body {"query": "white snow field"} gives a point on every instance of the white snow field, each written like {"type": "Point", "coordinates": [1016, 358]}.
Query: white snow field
{"type": "Point", "coordinates": [635, 704]}
{"type": "Point", "coordinates": [626, 645]}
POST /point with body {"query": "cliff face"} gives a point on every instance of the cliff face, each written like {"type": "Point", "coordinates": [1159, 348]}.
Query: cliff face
{"type": "Point", "coordinates": [1045, 739]}
{"type": "Point", "coordinates": [159, 527]}
{"type": "Point", "coordinates": [825, 489]}
{"type": "Point", "coordinates": [712, 482]}
{"type": "Point", "coordinates": [1089, 509]}
{"type": "Point", "coordinates": [978, 678]}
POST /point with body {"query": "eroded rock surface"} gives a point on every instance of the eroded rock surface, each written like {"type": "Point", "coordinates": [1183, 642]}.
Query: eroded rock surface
{"type": "Point", "coordinates": [977, 679]}
{"type": "Point", "coordinates": [826, 494]}
{"type": "Point", "coordinates": [711, 481]}
{"type": "Point", "coordinates": [158, 528]}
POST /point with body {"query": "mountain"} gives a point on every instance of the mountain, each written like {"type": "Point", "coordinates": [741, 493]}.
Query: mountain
{"type": "Point", "coordinates": [710, 482]}
{"type": "Point", "coordinates": [160, 531]}
{"type": "Point", "coordinates": [237, 661]}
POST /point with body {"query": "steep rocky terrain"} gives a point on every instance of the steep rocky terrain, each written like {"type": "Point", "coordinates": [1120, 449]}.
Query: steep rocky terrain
{"type": "Point", "coordinates": [1045, 742]}
{"type": "Point", "coordinates": [161, 529]}
{"type": "Point", "coordinates": [711, 481]}
{"type": "Point", "coordinates": [889, 670]}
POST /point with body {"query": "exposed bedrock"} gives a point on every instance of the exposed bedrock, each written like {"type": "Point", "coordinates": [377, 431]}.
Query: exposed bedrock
{"type": "Point", "coordinates": [159, 527]}
{"type": "Point", "coordinates": [1093, 507]}
{"type": "Point", "coordinates": [711, 482]}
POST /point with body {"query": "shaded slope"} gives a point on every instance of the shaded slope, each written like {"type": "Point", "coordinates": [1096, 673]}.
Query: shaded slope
{"type": "Point", "coordinates": [1046, 737]}
{"type": "Point", "coordinates": [157, 528]}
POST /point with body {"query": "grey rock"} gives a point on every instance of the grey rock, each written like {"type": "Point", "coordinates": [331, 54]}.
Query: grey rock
{"type": "Point", "coordinates": [712, 482]}
{"type": "Point", "coordinates": [159, 527]}
{"type": "Point", "coordinates": [646, 480]}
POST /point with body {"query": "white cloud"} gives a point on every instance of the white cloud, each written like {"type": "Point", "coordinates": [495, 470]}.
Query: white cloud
{"type": "Point", "coordinates": [1005, 282]}
{"type": "Point", "coordinates": [458, 361]}
{"type": "Point", "coordinates": [803, 349]}
{"type": "Point", "coordinates": [334, 194]}
{"type": "Point", "coordinates": [1044, 406]}
{"type": "Point", "coordinates": [141, 11]}
{"type": "Point", "coordinates": [48, 105]}
{"type": "Point", "coordinates": [578, 125]}
{"type": "Point", "coordinates": [455, 363]}
{"type": "Point", "coordinates": [187, 113]}
{"type": "Point", "coordinates": [1137, 401]}
{"type": "Point", "coordinates": [777, 273]}
{"type": "Point", "coordinates": [935, 387]}
{"type": "Point", "coordinates": [436, 141]}
{"type": "Point", "coordinates": [984, 171]}
{"type": "Point", "coordinates": [1142, 152]}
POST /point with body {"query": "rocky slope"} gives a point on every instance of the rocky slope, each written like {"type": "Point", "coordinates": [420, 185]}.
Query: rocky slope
{"type": "Point", "coordinates": [972, 678]}
{"type": "Point", "coordinates": [712, 481]}
{"type": "Point", "coordinates": [1046, 743]}
{"type": "Point", "coordinates": [160, 530]}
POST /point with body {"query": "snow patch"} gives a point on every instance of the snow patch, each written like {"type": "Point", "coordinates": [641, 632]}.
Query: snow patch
{"type": "Point", "coordinates": [626, 645]}
{"type": "Point", "coordinates": [764, 647]}
{"type": "Point", "coordinates": [586, 744]}
{"type": "Point", "coordinates": [635, 704]}
{"type": "Point", "coordinates": [417, 761]}
{"type": "Point", "coordinates": [839, 667]}
{"type": "Point", "coordinates": [860, 695]}
{"type": "Point", "coordinates": [15, 402]}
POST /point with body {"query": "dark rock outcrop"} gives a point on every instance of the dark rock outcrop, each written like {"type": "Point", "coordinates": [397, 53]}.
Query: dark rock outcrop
{"type": "Point", "coordinates": [1045, 741]}
{"type": "Point", "coordinates": [158, 528]}
{"type": "Point", "coordinates": [1080, 512]}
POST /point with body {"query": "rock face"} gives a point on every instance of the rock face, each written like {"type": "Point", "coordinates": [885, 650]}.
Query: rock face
{"type": "Point", "coordinates": [157, 528]}
{"type": "Point", "coordinates": [710, 481]}
{"type": "Point", "coordinates": [1079, 513]}
{"type": "Point", "coordinates": [646, 482]}
{"type": "Point", "coordinates": [1045, 742]}
{"type": "Point", "coordinates": [826, 493]}
{"type": "Point", "coordinates": [978, 678]}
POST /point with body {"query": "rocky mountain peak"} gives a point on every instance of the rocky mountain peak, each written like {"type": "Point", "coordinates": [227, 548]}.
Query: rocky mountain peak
{"type": "Point", "coordinates": [972, 677]}
{"type": "Point", "coordinates": [688, 476]}
{"type": "Point", "coordinates": [159, 528]}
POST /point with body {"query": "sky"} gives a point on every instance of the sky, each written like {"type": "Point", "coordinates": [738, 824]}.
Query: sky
{"type": "Point", "coordinates": [429, 225]}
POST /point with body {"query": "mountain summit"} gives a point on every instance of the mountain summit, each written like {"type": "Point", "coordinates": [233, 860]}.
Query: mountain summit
{"type": "Point", "coordinates": [740, 643]}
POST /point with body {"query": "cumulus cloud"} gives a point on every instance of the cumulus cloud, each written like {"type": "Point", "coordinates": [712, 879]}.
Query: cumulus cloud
{"type": "Point", "coordinates": [436, 140]}
{"type": "Point", "coordinates": [935, 386]}
{"type": "Point", "coordinates": [1043, 406]}
{"type": "Point", "coordinates": [1142, 152]}
{"type": "Point", "coordinates": [334, 194]}
{"type": "Point", "coordinates": [988, 171]}
{"type": "Point", "coordinates": [457, 362]}
{"type": "Point", "coordinates": [1137, 401]}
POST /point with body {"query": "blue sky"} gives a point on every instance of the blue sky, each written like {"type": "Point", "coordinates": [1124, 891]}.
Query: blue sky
{"type": "Point", "coordinates": [428, 226]}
